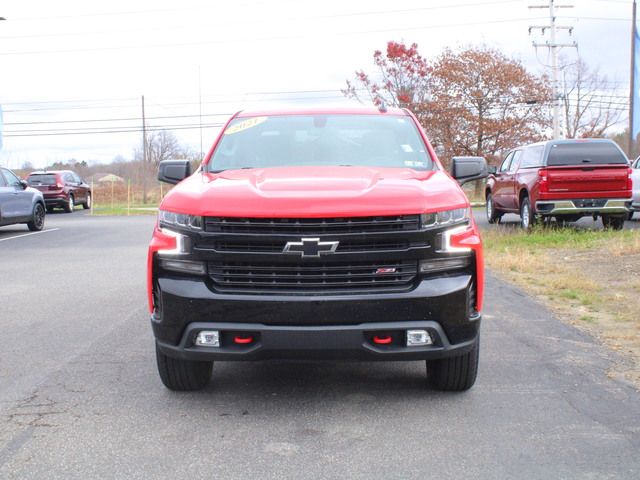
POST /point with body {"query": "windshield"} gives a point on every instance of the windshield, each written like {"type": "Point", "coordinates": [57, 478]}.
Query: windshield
{"type": "Point", "coordinates": [318, 140]}
{"type": "Point", "coordinates": [44, 179]}
{"type": "Point", "coordinates": [586, 154]}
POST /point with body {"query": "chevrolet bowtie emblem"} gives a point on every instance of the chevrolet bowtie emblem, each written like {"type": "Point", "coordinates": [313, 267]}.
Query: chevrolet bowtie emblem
{"type": "Point", "coordinates": [310, 247]}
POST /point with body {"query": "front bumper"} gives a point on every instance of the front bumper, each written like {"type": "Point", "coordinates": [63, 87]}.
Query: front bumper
{"type": "Point", "coordinates": [584, 206]}
{"type": "Point", "coordinates": [339, 326]}
{"type": "Point", "coordinates": [327, 342]}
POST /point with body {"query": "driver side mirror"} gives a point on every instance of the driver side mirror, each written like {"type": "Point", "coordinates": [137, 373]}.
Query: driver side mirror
{"type": "Point", "coordinates": [174, 171]}
{"type": "Point", "coordinates": [493, 169]}
{"type": "Point", "coordinates": [467, 169]}
{"type": "Point", "coordinates": [24, 184]}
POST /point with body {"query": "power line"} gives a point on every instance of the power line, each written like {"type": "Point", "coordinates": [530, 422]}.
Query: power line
{"type": "Point", "coordinates": [130, 119]}
{"type": "Point", "coordinates": [124, 130]}
{"type": "Point", "coordinates": [244, 21]}
{"type": "Point", "coordinates": [262, 39]}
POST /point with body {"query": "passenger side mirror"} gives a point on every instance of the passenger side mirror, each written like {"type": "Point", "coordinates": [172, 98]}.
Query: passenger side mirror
{"type": "Point", "coordinates": [24, 184]}
{"type": "Point", "coordinates": [467, 169]}
{"type": "Point", "coordinates": [174, 171]}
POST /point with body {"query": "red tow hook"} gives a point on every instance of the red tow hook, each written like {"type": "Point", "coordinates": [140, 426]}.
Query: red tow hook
{"type": "Point", "coordinates": [382, 340]}
{"type": "Point", "coordinates": [240, 340]}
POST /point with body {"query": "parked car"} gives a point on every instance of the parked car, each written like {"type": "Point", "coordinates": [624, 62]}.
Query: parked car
{"type": "Point", "coordinates": [20, 203]}
{"type": "Point", "coordinates": [61, 188]}
{"type": "Point", "coordinates": [565, 179]}
{"type": "Point", "coordinates": [324, 233]}
{"type": "Point", "coordinates": [635, 179]}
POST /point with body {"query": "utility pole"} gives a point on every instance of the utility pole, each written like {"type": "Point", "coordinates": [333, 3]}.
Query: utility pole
{"type": "Point", "coordinates": [144, 134]}
{"type": "Point", "coordinates": [145, 167]}
{"type": "Point", "coordinates": [554, 47]}
{"type": "Point", "coordinates": [632, 82]}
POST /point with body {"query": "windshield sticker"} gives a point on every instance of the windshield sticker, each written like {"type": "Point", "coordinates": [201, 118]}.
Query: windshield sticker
{"type": "Point", "coordinates": [406, 148]}
{"type": "Point", "coordinates": [244, 125]}
{"type": "Point", "coordinates": [414, 163]}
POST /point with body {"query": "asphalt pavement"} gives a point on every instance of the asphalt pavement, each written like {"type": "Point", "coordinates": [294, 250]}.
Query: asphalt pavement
{"type": "Point", "coordinates": [80, 397]}
{"type": "Point", "coordinates": [511, 220]}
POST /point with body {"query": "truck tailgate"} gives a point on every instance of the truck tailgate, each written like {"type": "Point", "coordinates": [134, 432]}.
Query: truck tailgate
{"type": "Point", "coordinates": [587, 180]}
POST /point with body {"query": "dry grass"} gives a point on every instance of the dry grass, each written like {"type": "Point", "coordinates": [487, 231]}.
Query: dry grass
{"type": "Point", "coordinates": [588, 278]}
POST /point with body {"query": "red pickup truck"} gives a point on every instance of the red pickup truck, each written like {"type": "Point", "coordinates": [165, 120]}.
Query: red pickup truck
{"type": "Point", "coordinates": [565, 179]}
{"type": "Point", "coordinates": [317, 234]}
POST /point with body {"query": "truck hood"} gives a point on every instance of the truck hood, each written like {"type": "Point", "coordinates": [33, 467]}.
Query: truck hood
{"type": "Point", "coordinates": [315, 192]}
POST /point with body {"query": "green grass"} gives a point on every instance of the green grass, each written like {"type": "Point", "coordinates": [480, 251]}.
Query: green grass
{"type": "Point", "coordinates": [503, 240]}
{"type": "Point", "coordinates": [585, 298]}
{"type": "Point", "coordinates": [121, 209]}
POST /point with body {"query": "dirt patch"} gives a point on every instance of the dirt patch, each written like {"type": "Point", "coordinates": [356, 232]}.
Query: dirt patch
{"type": "Point", "coordinates": [595, 289]}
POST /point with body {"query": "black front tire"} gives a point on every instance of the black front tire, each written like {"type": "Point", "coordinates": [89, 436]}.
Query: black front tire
{"type": "Point", "coordinates": [527, 216]}
{"type": "Point", "coordinates": [493, 215]}
{"type": "Point", "coordinates": [183, 375]}
{"type": "Point", "coordinates": [611, 222]}
{"type": "Point", "coordinates": [37, 218]}
{"type": "Point", "coordinates": [455, 374]}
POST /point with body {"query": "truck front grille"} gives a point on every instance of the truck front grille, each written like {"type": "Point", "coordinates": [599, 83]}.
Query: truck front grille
{"type": "Point", "coordinates": [258, 245]}
{"type": "Point", "coordinates": [317, 278]}
{"type": "Point", "coordinates": [312, 226]}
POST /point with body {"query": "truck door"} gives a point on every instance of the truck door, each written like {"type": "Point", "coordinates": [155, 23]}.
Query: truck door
{"type": "Point", "coordinates": [510, 193]}
{"type": "Point", "coordinates": [500, 187]}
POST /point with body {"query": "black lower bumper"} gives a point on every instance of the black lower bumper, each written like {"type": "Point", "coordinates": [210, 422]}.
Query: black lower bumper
{"type": "Point", "coordinates": [337, 326]}
{"type": "Point", "coordinates": [354, 342]}
{"type": "Point", "coordinates": [56, 202]}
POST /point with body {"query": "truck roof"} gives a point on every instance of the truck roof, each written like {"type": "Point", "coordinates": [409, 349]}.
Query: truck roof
{"type": "Point", "coordinates": [320, 110]}
{"type": "Point", "coordinates": [571, 140]}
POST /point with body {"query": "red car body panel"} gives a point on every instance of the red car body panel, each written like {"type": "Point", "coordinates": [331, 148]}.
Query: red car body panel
{"type": "Point", "coordinates": [316, 192]}
{"type": "Point", "coordinates": [308, 192]}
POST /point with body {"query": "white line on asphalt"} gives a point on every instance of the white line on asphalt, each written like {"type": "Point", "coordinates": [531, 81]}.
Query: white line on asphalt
{"type": "Point", "coordinates": [27, 234]}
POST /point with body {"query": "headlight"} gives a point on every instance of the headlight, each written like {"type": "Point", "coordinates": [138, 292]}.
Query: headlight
{"type": "Point", "coordinates": [445, 217]}
{"type": "Point", "coordinates": [172, 219]}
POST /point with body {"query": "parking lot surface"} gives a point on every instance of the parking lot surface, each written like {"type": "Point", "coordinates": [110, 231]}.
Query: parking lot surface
{"type": "Point", "coordinates": [80, 396]}
{"type": "Point", "coordinates": [511, 220]}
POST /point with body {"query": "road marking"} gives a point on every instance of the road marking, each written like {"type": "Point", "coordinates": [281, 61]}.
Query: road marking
{"type": "Point", "coordinates": [27, 234]}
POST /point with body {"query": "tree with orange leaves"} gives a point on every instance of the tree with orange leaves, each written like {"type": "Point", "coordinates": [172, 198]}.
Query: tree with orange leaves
{"type": "Point", "coordinates": [473, 102]}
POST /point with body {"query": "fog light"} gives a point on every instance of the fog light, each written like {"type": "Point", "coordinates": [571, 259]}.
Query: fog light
{"type": "Point", "coordinates": [208, 338]}
{"type": "Point", "coordinates": [443, 264]}
{"type": "Point", "coordinates": [418, 338]}
{"type": "Point", "coordinates": [183, 266]}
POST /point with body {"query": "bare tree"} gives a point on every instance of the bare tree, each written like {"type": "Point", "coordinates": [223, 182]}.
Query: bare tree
{"type": "Point", "coordinates": [589, 107]}
{"type": "Point", "coordinates": [161, 145]}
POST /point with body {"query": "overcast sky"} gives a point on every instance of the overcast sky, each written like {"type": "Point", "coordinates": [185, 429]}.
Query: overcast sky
{"type": "Point", "coordinates": [82, 66]}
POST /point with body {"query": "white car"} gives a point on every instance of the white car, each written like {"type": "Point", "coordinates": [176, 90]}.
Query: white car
{"type": "Point", "coordinates": [635, 179]}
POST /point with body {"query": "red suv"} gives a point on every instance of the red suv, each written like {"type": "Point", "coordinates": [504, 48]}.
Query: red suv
{"type": "Point", "coordinates": [565, 179]}
{"type": "Point", "coordinates": [61, 188]}
{"type": "Point", "coordinates": [317, 234]}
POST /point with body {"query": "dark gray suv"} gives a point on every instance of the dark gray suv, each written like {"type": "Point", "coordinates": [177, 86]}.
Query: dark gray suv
{"type": "Point", "coordinates": [20, 203]}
